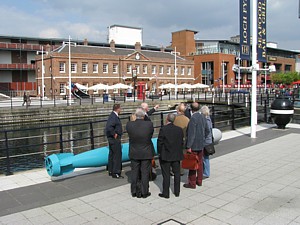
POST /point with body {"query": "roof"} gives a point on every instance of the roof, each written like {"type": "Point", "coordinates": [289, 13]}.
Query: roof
{"type": "Point", "coordinates": [116, 25]}
{"type": "Point", "coordinates": [195, 32]}
{"type": "Point", "coordinates": [101, 50]}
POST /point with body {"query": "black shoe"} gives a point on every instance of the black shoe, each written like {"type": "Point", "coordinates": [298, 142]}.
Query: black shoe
{"type": "Point", "coordinates": [133, 195]}
{"type": "Point", "coordinates": [146, 195]}
{"type": "Point", "coordinates": [117, 176]}
{"type": "Point", "coordinates": [176, 195]}
{"type": "Point", "coordinates": [163, 196]}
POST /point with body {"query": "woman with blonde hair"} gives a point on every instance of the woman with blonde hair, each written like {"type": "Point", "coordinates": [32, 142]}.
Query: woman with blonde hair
{"type": "Point", "coordinates": [206, 165]}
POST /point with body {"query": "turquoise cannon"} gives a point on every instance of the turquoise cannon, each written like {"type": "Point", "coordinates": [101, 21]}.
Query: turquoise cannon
{"type": "Point", "coordinates": [64, 163]}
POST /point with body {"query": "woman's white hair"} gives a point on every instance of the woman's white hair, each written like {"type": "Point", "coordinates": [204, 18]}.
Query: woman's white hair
{"type": "Point", "coordinates": [205, 110]}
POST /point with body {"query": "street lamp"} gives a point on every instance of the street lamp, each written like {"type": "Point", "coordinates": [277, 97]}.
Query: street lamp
{"type": "Point", "coordinates": [223, 75]}
{"type": "Point", "coordinates": [175, 70]}
{"type": "Point", "coordinates": [239, 72]}
{"type": "Point", "coordinates": [43, 70]}
{"type": "Point", "coordinates": [134, 77]}
{"type": "Point", "coordinates": [70, 78]}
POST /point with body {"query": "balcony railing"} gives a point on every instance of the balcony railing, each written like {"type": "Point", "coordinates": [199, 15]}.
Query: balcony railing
{"type": "Point", "coordinates": [17, 66]}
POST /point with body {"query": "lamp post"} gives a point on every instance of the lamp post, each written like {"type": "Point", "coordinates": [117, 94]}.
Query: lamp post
{"type": "Point", "coordinates": [239, 73]}
{"type": "Point", "coordinates": [43, 70]}
{"type": "Point", "coordinates": [254, 69]}
{"type": "Point", "coordinates": [223, 76]}
{"type": "Point", "coordinates": [70, 78]}
{"type": "Point", "coordinates": [175, 71]}
{"type": "Point", "coordinates": [134, 76]}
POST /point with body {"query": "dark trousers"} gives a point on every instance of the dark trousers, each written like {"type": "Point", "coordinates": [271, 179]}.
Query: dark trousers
{"type": "Point", "coordinates": [165, 169]}
{"type": "Point", "coordinates": [140, 170]}
{"type": "Point", "coordinates": [196, 176]}
{"type": "Point", "coordinates": [115, 156]}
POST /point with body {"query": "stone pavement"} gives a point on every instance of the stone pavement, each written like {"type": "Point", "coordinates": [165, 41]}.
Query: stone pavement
{"type": "Point", "coordinates": [253, 181]}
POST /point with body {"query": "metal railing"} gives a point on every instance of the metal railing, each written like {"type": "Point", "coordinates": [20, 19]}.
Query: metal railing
{"type": "Point", "coordinates": [25, 148]}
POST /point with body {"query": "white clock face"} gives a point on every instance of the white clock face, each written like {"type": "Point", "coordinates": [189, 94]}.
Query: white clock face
{"type": "Point", "coordinates": [137, 56]}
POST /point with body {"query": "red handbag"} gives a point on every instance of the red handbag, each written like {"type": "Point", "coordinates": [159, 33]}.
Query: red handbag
{"type": "Point", "coordinates": [190, 161]}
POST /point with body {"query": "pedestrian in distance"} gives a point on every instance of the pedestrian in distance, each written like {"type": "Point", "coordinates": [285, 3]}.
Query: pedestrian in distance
{"type": "Point", "coordinates": [197, 132]}
{"type": "Point", "coordinates": [24, 99]}
{"type": "Point", "coordinates": [141, 152]}
{"type": "Point", "coordinates": [208, 140]}
{"type": "Point", "coordinates": [114, 131]}
{"type": "Point", "coordinates": [169, 147]}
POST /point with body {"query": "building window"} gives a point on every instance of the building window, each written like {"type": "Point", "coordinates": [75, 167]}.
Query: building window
{"type": "Point", "coordinates": [62, 89]}
{"type": "Point", "coordinates": [129, 68]}
{"type": "Point", "coordinates": [161, 69]}
{"type": "Point", "coordinates": [182, 70]}
{"type": "Point", "coordinates": [74, 67]}
{"type": "Point", "coordinates": [145, 69]}
{"type": "Point", "coordinates": [189, 72]}
{"type": "Point", "coordinates": [115, 68]}
{"type": "Point", "coordinates": [153, 70]}
{"type": "Point", "coordinates": [137, 69]}
{"type": "Point", "coordinates": [169, 70]}
{"type": "Point", "coordinates": [287, 68]}
{"type": "Point", "coordinates": [84, 67]}
{"type": "Point", "coordinates": [62, 67]}
{"type": "Point", "coordinates": [105, 68]}
{"type": "Point", "coordinates": [95, 68]}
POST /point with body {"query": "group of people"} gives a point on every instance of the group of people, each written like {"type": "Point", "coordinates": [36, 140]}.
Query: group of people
{"type": "Point", "coordinates": [189, 130]}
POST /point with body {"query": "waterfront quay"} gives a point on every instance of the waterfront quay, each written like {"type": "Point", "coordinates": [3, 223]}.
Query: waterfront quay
{"type": "Point", "coordinates": [253, 181]}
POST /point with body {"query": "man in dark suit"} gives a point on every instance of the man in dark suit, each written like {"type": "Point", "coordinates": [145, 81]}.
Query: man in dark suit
{"type": "Point", "coordinates": [114, 133]}
{"type": "Point", "coordinates": [196, 133]}
{"type": "Point", "coordinates": [169, 147]}
{"type": "Point", "coordinates": [148, 112]}
{"type": "Point", "coordinates": [141, 152]}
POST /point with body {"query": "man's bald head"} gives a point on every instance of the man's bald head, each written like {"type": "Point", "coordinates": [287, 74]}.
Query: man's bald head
{"type": "Point", "coordinates": [195, 107]}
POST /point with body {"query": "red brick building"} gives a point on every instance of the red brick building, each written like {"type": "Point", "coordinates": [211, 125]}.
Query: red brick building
{"type": "Point", "coordinates": [111, 64]}
{"type": "Point", "coordinates": [215, 58]}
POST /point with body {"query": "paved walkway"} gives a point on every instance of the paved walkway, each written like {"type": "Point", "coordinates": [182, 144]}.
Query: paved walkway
{"type": "Point", "coordinates": [253, 181]}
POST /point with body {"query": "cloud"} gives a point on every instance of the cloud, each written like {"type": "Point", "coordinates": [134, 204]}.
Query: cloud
{"type": "Point", "coordinates": [215, 19]}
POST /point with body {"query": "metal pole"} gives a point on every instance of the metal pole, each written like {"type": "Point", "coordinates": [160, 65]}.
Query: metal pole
{"type": "Point", "coordinates": [175, 73]}
{"type": "Point", "coordinates": [266, 77]}
{"type": "Point", "coordinates": [70, 80]}
{"type": "Point", "coordinates": [223, 75]}
{"type": "Point", "coordinates": [254, 68]}
{"type": "Point", "coordinates": [239, 74]}
{"type": "Point", "coordinates": [43, 71]}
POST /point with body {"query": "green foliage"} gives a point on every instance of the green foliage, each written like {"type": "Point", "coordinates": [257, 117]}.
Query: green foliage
{"type": "Point", "coordinates": [285, 78]}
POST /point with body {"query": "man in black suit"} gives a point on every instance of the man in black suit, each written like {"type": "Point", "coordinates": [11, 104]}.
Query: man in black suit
{"type": "Point", "coordinates": [148, 112]}
{"type": "Point", "coordinates": [114, 133]}
{"type": "Point", "coordinates": [141, 152]}
{"type": "Point", "coordinates": [169, 147]}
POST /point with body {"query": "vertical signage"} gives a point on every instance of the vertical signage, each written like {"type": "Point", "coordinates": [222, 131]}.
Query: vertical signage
{"type": "Point", "coordinates": [245, 29]}
{"type": "Point", "coordinates": [262, 31]}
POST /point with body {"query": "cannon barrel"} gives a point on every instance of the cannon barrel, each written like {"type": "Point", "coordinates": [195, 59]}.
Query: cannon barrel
{"type": "Point", "coordinates": [64, 163]}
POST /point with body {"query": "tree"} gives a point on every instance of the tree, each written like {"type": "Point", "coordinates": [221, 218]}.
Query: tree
{"type": "Point", "coordinates": [285, 78]}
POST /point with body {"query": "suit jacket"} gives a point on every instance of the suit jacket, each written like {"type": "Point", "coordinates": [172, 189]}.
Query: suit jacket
{"type": "Point", "coordinates": [113, 126]}
{"type": "Point", "coordinates": [197, 132]}
{"type": "Point", "coordinates": [170, 143]}
{"type": "Point", "coordinates": [149, 113]}
{"type": "Point", "coordinates": [140, 145]}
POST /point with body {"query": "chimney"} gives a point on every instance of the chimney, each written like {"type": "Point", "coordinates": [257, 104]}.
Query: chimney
{"type": "Point", "coordinates": [48, 48]}
{"type": "Point", "coordinates": [138, 46]}
{"type": "Point", "coordinates": [85, 42]}
{"type": "Point", "coordinates": [112, 45]}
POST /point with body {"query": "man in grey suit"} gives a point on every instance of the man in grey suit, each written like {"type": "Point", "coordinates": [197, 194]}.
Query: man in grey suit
{"type": "Point", "coordinates": [169, 147]}
{"type": "Point", "coordinates": [197, 131]}
{"type": "Point", "coordinates": [141, 152]}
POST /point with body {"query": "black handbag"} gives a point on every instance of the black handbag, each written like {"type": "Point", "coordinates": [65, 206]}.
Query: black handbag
{"type": "Point", "coordinates": [210, 149]}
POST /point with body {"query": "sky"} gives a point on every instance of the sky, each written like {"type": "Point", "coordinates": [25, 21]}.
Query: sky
{"type": "Point", "coordinates": [213, 19]}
